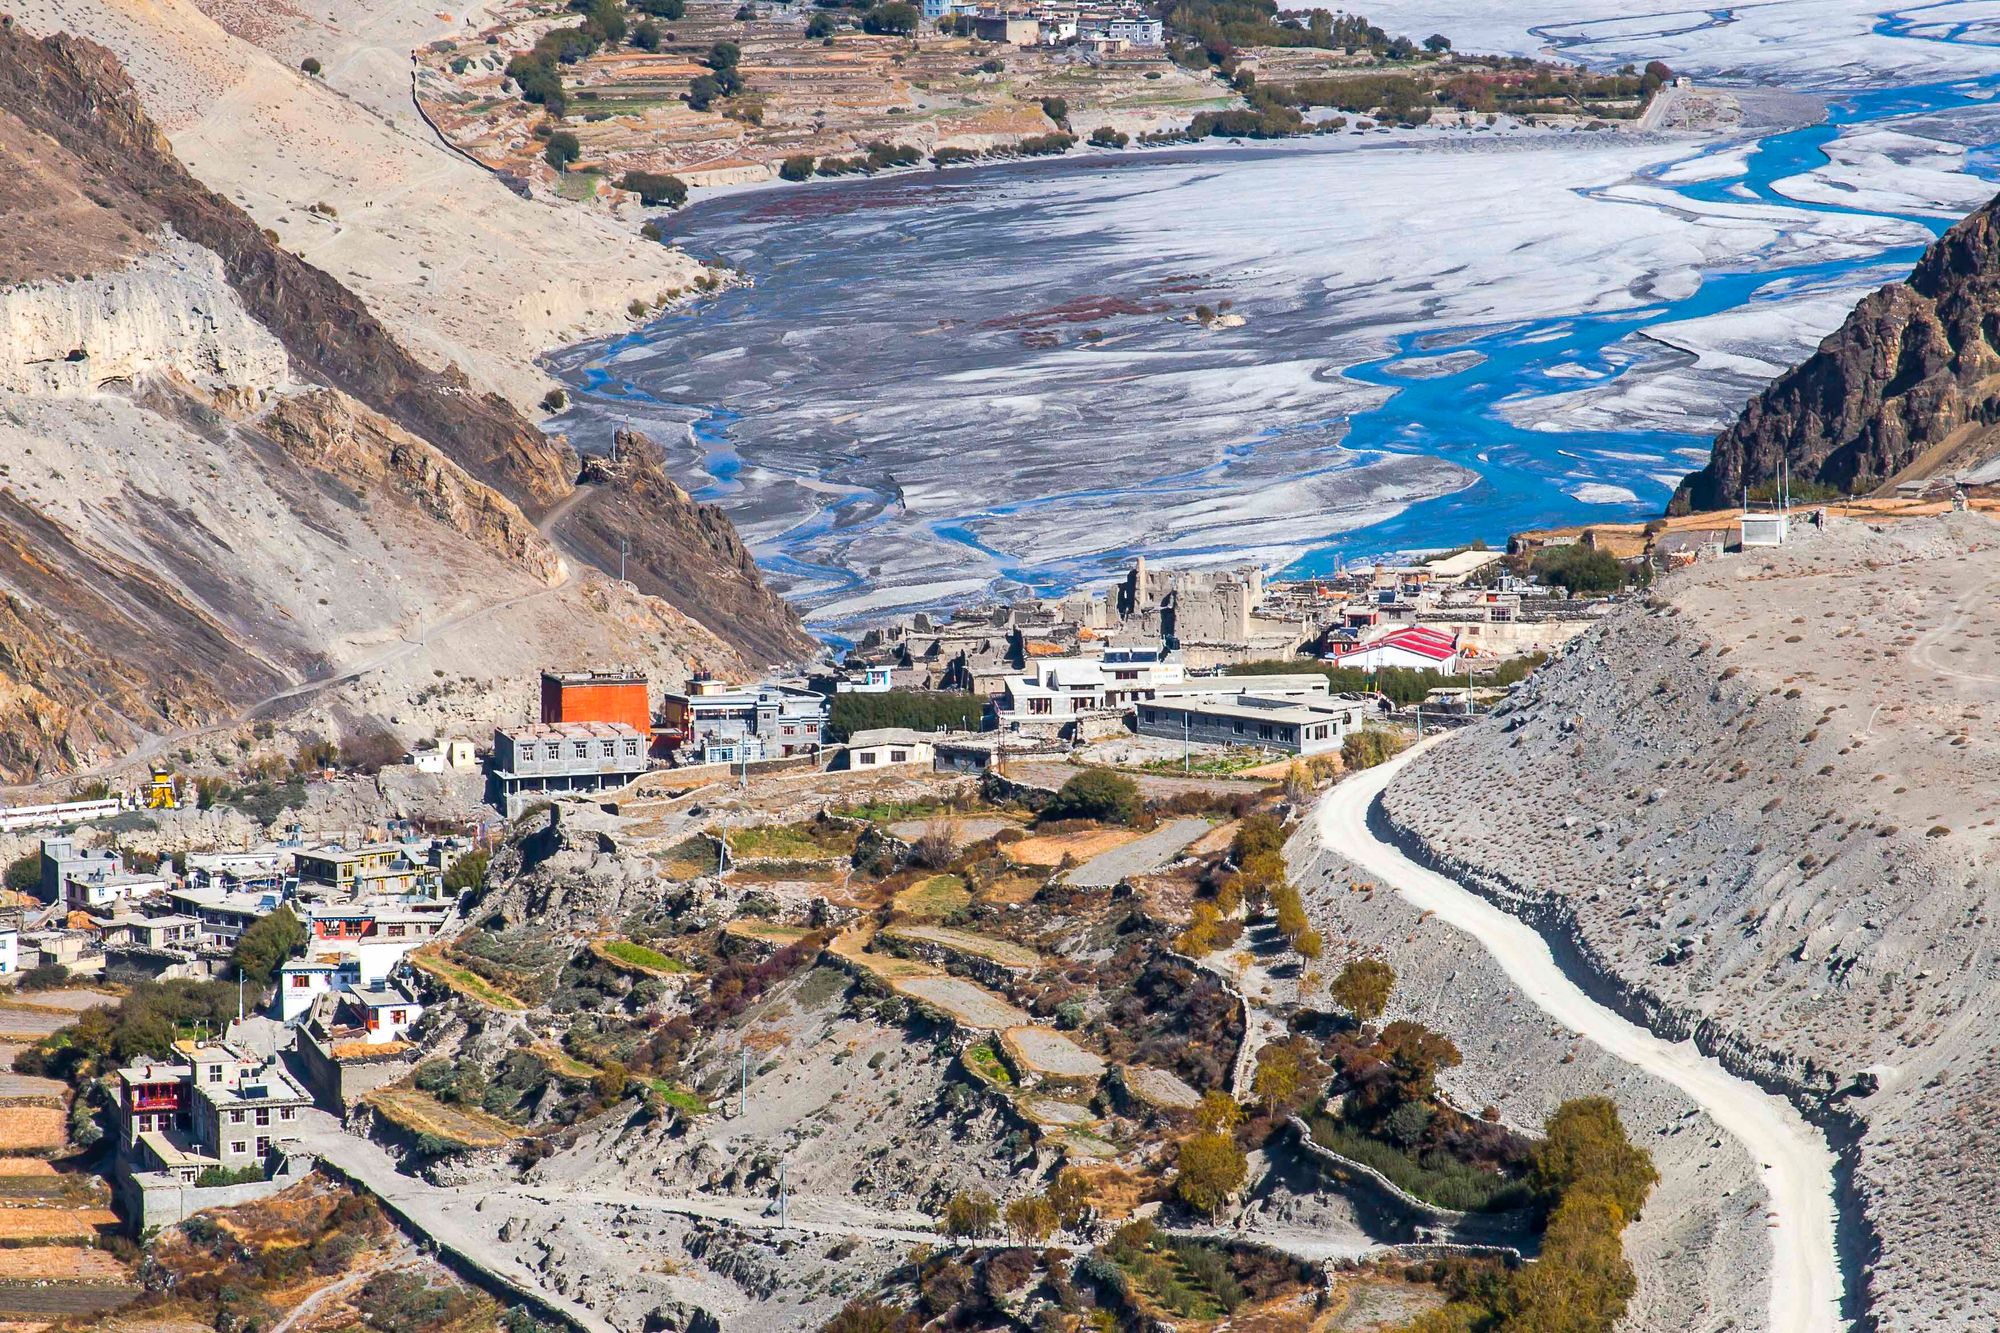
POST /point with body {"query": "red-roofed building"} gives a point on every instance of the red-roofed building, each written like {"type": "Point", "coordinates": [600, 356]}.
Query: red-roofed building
{"type": "Point", "coordinates": [1416, 646]}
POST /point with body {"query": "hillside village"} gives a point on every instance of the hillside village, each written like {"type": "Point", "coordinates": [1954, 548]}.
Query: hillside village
{"type": "Point", "coordinates": [1024, 865]}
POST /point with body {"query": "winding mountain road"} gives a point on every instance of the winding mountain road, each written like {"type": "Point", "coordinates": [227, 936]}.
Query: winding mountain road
{"type": "Point", "coordinates": [1792, 1157]}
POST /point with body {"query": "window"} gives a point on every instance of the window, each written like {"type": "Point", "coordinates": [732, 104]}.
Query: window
{"type": "Point", "coordinates": [1042, 706]}
{"type": "Point", "coordinates": [867, 758]}
{"type": "Point", "coordinates": [263, 1115]}
{"type": "Point", "coordinates": [215, 1073]}
{"type": "Point", "coordinates": [263, 1144]}
{"type": "Point", "coordinates": [237, 1147]}
{"type": "Point", "coordinates": [553, 750]}
{"type": "Point", "coordinates": [394, 931]}
{"type": "Point", "coordinates": [791, 730]}
{"type": "Point", "coordinates": [301, 980]}
{"type": "Point", "coordinates": [235, 1117]}
{"type": "Point", "coordinates": [399, 1016]}
{"type": "Point", "coordinates": [582, 750]}
{"type": "Point", "coordinates": [631, 747]}
{"type": "Point", "coordinates": [899, 756]}
{"type": "Point", "coordinates": [284, 1113]}
{"type": "Point", "coordinates": [610, 749]}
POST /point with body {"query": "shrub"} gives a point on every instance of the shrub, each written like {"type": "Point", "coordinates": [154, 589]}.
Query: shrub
{"type": "Point", "coordinates": [1057, 110]}
{"type": "Point", "coordinates": [468, 873]}
{"type": "Point", "coordinates": [656, 188]}
{"type": "Point", "coordinates": [24, 872]}
{"type": "Point", "coordinates": [263, 948]}
{"type": "Point", "coordinates": [1106, 137]}
{"type": "Point", "coordinates": [562, 150]}
{"type": "Point", "coordinates": [1209, 1168]}
{"type": "Point", "coordinates": [951, 157]}
{"type": "Point", "coordinates": [1363, 987]}
{"type": "Point", "coordinates": [919, 710]}
{"type": "Point", "coordinates": [972, 1214]}
{"type": "Point", "coordinates": [555, 400]}
{"type": "Point", "coordinates": [213, 1176]}
{"type": "Point", "coordinates": [820, 25]}
{"type": "Point", "coordinates": [1579, 569]}
{"type": "Point", "coordinates": [702, 92]}
{"type": "Point", "coordinates": [1369, 746]}
{"type": "Point", "coordinates": [310, 66]}
{"type": "Point", "coordinates": [1095, 793]}
{"type": "Point", "coordinates": [797, 167]}
{"type": "Point", "coordinates": [46, 976]}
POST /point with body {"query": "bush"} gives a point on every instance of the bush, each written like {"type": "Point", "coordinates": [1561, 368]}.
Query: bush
{"type": "Point", "coordinates": [24, 872]}
{"type": "Point", "coordinates": [468, 873]}
{"type": "Point", "coordinates": [1057, 110]}
{"type": "Point", "coordinates": [971, 1214]}
{"type": "Point", "coordinates": [47, 976]}
{"type": "Point", "coordinates": [951, 157]}
{"type": "Point", "coordinates": [702, 92]}
{"type": "Point", "coordinates": [820, 25]}
{"type": "Point", "coordinates": [310, 66]}
{"type": "Point", "coordinates": [1106, 137]}
{"type": "Point", "coordinates": [561, 150]}
{"type": "Point", "coordinates": [797, 167]}
{"type": "Point", "coordinates": [1369, 746]}
{"type": "Point", "coordinates": [1579, 569]}
{"type": "Point", "coordinates": [213, 1176]}
{"type": "Point", "coordinates": [894, 18]}
{"type": "Point", "coordinates": [1095, 793]}
{"type": "Point", "coordinates": [1209, 1168]}
{"type": "Point", "coordinates": [662, 9]}
{"type": "Point", "coordinates": [656, 188]}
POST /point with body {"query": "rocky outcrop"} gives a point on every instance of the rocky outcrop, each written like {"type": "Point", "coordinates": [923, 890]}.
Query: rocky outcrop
{"type": "Point", "coordinates": [566, 872]}
{"type": "Point", "coordinates": [677, 549]}
{"type": "Point", "coordinates": [330, 432]}
{"type": "Point", "coordinates": [1908, 385]}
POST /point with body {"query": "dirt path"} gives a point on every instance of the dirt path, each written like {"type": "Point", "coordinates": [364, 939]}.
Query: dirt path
{"type": "Point", "coordinates": [1793, 1158]}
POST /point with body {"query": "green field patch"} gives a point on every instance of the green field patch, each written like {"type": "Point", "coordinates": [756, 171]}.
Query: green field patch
{"type": "Point", "coordinates": [791, 842]}
{"type": "Point", "coordinates": [638, 958]}
{"type": "Point", "coordinates": [938, 896]}
{"type": "Point", "coordinates": [679, 1098]}
{"type": "Point", "coordinates": [982, 1061]}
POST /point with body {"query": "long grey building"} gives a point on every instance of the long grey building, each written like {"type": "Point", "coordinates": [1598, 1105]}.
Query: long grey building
{"type": "Point", "coordinates": [1296, 725]}
{"type": "Point", "coordinates": [547, 758]}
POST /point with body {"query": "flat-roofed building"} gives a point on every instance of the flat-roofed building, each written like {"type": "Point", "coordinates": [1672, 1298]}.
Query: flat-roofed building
{"type": "Point", "coordinates": [597, 696]}
{"type": "Point", "coordinates": [1296, 726]}
{"type": "Point", "coordinates": [552, 758]}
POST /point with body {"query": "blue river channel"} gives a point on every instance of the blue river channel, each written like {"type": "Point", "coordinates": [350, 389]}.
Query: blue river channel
{"type": "Point", "coordinates": [1464, 409]}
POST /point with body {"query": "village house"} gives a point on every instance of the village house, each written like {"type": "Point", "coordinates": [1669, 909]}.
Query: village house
{"type": "Point", "coordinates": [1413, 647]}
{"type": "Point", "coordinates": [1304, 726]}
{"type": "Point", "coordinates": [883, 747]}
{"type": "Point", "coordinates": [213, 1105]}
{"type": "Point", "coordinates": [718, 723]}
{"type": "Point", "coordinates": [554, 758]}
{"type": "Point", "coordinates": [451, 755]}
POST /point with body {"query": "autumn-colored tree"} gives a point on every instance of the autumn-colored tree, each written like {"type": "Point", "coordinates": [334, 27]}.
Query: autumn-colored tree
{"type": "Point", "coordinates": [1289, 1074]}
{"type": "Point", "coordinates": [970, 1214]}
{"type": "Point", "coordinates": [1200, 936]}
{"type": "Point", "coordinates": [1255, 835]}
{"type": "Point", "coordinates": [1585, 1148]}
{"type": "Point", "coordinates": [1218, 1112]}
{"type": "Point", "coordinates": [1363, 987]}
{"type": "Point", "coordinates": [1069, 1195]}
{"type": "Point", "coordinates": [1208, 1169]}
{"type": "Point", "coordinates": [1031, 1219]}
{"type": "Point", "coordinates": [1416, 1054]}
{"type": "Point", "coordinates": [1309, 944]}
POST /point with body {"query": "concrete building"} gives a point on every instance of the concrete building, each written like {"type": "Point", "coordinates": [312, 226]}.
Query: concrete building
{"type": "Point", "coordinates": [225, 914]}
{"type": "Point", "coordinates": [213, 1105]}
{"type": "Point", "coordinates": [99, 893]}
{"type": "Point", "coordinates": [1296, 726]}
{"type": "Point", "coordinates": [175, 930]}
{"type": "Point", "coordinates": [1122, 29]}
{"type": "Point", "coordinates": [885, 747]}
{"type": "Point", "coordinates": [1013, 29]}
{"type": "Point", "coordinates": [718, 723]}
{"type": "Point", "coordinates": [616, 696]}
{"type": "Point", "coordinates": [1213, 617]}
{"type": "Point", "coordinates": [454, 754]}
{"type": "Point", "coordinates": [560, 757]}
{"type": "Point", "coordinates": [303, 980]}
{"type": "Point", "coordinates": [383, 1011]}
{"type": "Point", "coordinates": [1416, 647]}
{"type": "Point", "coordinates": [63, 860]}
{"type": "Point", "coordinates": [1765, 528]}
{"type": "Point", "coordinates": [1069, 697]}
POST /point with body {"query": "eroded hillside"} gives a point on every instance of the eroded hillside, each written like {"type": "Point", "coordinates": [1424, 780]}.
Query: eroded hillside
{"type": "Point", "coordinates": [1762, 802]}
{"type": "Point", "coordinates": [229, 489]}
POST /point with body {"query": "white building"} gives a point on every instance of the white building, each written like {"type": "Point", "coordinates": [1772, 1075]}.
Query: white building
{"type": "Point", "coordinates": [98, 893]}
{"type": "Point", "coordinates": [453, 755]}
{"type": "Point", "coordinates": [1413, 646]}
{"type": "Point", "coordinates": [886, 747]}
{"type": "Point", "coordinates": [1296, 726]}
{"type": "Point", "coordinates": [303, 980]}
{"type": "Point", "coordinates": [1768, 528]}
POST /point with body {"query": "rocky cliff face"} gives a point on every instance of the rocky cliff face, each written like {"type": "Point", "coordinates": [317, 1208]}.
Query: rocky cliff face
{"type": "Point", "coordinates": [686, 552]}
{"type": "Point", "coordinates": [73, 93]}
{"type": "Point", "coordinates": [1909, 383]}
{"type": "Point", "coordinates": [226, 492]}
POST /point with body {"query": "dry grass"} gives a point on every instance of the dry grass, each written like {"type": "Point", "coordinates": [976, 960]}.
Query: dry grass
{"type": "Point", "coordinates": [59, 1263]}
{"type": "Point", "coordinates": [28, 1226]}
{"type": "Point", "coordinates": [467, 983]}
{"type": "Point", "coordinates": [27, 1129]}
{"type": "Point", "coordinates": [25, 1166]}
{"type": "Point", "coordinates": [1003, 952]}
{"type": "Point", "coordinates": [421, 1113]}
{"type": "Point", "coordinates": [1049, 849]}
{"type": "Point", "coordinates": [940, 895]}
{"type": "Point", "coordinates": [756, 928]}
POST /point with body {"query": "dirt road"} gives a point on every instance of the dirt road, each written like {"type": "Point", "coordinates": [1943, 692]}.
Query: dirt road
{"type": "Point", "coordinates": [1793, 1157]}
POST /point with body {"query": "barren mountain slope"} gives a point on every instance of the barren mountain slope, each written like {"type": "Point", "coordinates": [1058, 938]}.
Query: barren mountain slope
{"type": "Point", "coordinates": [461, 269]}
{"type": "Point", "coordinates": [1762, 803]}
{"type": "Point", "coordinates": [228, 489]}
{"type": "Point", "coordinates": [1908, 385]}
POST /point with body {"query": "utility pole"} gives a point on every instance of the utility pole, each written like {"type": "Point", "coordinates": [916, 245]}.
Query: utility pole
{"type": "Point", "coordinates": [1187, 744]}
{"type": "Point", "coordinates": [784, 1218]}
{"type": "Point", "coordinates": [743, 1084]}
{"type": "Point", "coordinates": [623, 546]}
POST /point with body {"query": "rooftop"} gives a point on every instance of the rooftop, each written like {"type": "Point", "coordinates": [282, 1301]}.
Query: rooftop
{"type": "Point", "coordinates": [571, 731]}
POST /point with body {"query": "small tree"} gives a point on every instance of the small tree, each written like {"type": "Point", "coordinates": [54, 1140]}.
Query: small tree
{"type": "Point", "coordinates": [1057, 110]}
{"type": "Point", "coordinates": [266, 944]}
{"type": "Point", "coordinates": [468, 873]}
{"type": "Point", "coordinates": [610, 1082]}
{"type": "Point", "coordinates": [1031, 1220]}
{"type": "Point", "coordinates": [702, 92]}
{"type": "Point", "coordinates": [24, 872]}
{"type": "Point", "coordinates": [970, 1214]}
{"type": "Point", "coordinates": [1096, 793]}
{"type": "Point", "coordinates": [797, 167]}
{"type": "Point", "coordinates": [656, 189]}
{"type": "Point", "coordinates": [1363, 987]}
{"type": "Point", "coordinates": [310, 67]}
{"type": "Point", "coordinates": [1208, 1169]}
{"type": "Point", "coordinates": [1069, 1195]}
{"type": "Point", "coordinates": [895, 18]}
{"type": "Point", "coordinates": [561, 150]}
{"type": "Point", "coordinates": [1218, 1112]}
{"type": "Point", "coordinates": [1437, 43]}
{"type": "Point", "coordinates": [820, 26]}
{"type": "Point", "coordinates": [647, 34]}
